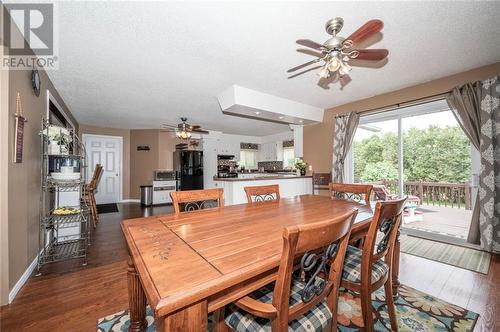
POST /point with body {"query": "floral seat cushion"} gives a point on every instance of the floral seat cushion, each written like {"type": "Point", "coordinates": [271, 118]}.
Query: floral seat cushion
{"type": "Point", "coordinates": [352, 267]}
{"type": "Point", "coordinates": [317, 319]}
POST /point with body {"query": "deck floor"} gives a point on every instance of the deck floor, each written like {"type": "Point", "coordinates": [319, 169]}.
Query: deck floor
{"type": "Point", "coordinates": [442, 220]}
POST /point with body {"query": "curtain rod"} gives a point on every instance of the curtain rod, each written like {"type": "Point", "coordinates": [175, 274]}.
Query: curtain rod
{"type": "Point", "coordinates": [413, 102]}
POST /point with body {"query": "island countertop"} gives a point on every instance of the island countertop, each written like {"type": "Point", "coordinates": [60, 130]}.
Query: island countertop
{"type": "Point", "coordinates": [290, 185]}
{"type": "Point", "coordinates": [257, 178]}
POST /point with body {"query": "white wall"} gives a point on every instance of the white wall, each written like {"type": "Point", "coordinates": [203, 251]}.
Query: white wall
{"type": "Point", "coordinates": [285, 136]}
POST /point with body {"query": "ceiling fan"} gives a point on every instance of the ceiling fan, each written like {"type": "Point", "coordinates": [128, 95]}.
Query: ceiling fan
{"type": "Point", "coordinates": [337, 51]}
{"type": "Point", "coordinates": [184, 130]}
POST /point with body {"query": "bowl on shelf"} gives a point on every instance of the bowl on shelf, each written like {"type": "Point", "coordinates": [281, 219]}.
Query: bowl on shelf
{"type": "Point", "coordinates": [67, 169]}
{"type": "Point", "coordinates": [65, 176]}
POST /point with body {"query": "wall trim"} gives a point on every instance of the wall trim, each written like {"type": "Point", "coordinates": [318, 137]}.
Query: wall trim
{"type": "Point", "coordinates": [53, 99]}
{"type": "Point", "coordinates": [24, 277]}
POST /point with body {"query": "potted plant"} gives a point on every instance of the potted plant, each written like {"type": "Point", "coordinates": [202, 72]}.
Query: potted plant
{"type": "Point", "coordinates": [300, 166]}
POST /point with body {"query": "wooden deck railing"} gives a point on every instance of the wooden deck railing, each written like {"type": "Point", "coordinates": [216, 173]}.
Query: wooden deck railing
{"type": "Point", "coordinates": [436, 193]}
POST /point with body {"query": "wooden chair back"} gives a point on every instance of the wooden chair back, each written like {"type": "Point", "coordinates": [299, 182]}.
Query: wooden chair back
{"type": "Point", "coordinates": [319, 243]}
{"type": "Point", "coordinates": [381, 237]}
{"type": "Point", "coordinates": [321, 183]}
{"type": "Point", "coordinates": [355, 192]}
{"type": "Point", "coordinates": [382, 193]}
{"type": "Point", "coordinates": [92, 185]}
{"type": "Point", "coordinates": [262, 193]}
{"type": "Point", "coordinates": [192, 200]}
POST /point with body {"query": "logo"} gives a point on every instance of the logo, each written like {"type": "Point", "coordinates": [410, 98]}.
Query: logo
{"type": "Point", "coordinates": [29, 32]}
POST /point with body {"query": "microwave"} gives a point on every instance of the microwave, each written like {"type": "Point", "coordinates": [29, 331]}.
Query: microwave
{"type": "Point", "coordinates": [164, 175]}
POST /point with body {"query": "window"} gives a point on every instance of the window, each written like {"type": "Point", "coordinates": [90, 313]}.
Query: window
{"type": "Point", "coordinates": [288, 156]}
{"type": "Point", "coordinates": [248, 159]}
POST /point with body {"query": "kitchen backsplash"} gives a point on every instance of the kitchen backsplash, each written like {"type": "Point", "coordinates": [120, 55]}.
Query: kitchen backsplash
{"type": "Point", "coordinates": [270, 165]}
{"type": "Point", "coordinates": [226, 162]}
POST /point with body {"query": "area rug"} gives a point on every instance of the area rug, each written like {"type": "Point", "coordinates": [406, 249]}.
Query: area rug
{"type": "Point", "coordinates": [465, 258]}
{"type": "Point", "coordinates": [107, 208]}
{"type": "Point", "coordinates": [416, 311]}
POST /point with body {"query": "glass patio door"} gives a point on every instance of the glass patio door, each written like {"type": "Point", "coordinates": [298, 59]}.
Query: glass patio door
{"type": "Point", "coordinates": [419, 151]}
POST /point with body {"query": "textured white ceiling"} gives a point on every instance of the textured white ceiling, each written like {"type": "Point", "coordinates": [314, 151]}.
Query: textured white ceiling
{"type": "Point", "coordinates": [136, 64]}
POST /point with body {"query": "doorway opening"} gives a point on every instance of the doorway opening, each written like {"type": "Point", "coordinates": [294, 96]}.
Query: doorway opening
{"type": "Point", "coordinates": [421, 152]}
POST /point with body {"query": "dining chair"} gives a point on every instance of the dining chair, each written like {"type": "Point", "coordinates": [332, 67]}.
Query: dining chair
{"type": "Point", "coordinates": [262, 193]}
{"type": "Point", "coordinates": [307, 299]}
{"type": "Point", "coordinates": [321, 183]}
{"type": "Point", "coordinates": [192, 200]}
{"type": "Point", "coordinates": [355, 192]}
{"type": "Point", "coordinates": [381, 192]}
{"type": "Point", "coordinates": [367, 269]}
{"type": "Point", "coordinates": [89, 193]}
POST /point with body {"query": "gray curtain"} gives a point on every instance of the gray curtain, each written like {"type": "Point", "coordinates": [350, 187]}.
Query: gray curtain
{"type": "Point", "coordinates": [464, 101]}
{"type": "Point", "coordinates": [345, 128]}
{"type": "Point", "coordinates": [477, 109]}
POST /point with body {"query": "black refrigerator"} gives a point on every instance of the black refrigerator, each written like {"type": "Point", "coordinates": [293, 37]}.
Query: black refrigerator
{"type": "Point", "coordinates": [189, 169]}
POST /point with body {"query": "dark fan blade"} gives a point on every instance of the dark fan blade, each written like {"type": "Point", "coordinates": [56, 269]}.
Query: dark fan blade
{"type": "Point", "coordinates": [374, 54]}
{"type": "Point", "coordinates": [368, 29]}
{"type": "Point", "coordinates": [310, 52]}
{"type": "Point", "coordinates": [302, 65]}
{"type": "Point", "coordinates": [305, 71]}
{"type": "Point", "coordinates": [201, 131]}
{"type": "Point", "coordinates": [309, 43]}
{"type": "Point", "coordinates": [368, 63]}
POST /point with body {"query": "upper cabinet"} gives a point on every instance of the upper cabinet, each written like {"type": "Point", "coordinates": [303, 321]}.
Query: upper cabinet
{"type": "Point", "coordinates": [228, 148]}
{"type": "Point", "coordinates": [271, 151]}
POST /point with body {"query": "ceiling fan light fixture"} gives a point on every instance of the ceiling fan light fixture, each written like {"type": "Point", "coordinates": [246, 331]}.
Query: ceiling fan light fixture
{"type": "Point", "coordinates": [183, 134]}
{"type": "Point", "coordinates": [334, 64]}
{"type": "Point", "coordinates": [324, 72]}
{"type": "Point", "coordinates": [344, 69]}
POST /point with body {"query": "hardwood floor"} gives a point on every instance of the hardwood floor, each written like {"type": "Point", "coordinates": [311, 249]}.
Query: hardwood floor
{"type": "Point", "coordinates": [70, 297]}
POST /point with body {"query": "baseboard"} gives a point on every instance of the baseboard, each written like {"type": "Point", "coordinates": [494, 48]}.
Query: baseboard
{"type": "Point", "coordinates": [130, 201]}
{"type": "Point", "coordinates": [20, 283]}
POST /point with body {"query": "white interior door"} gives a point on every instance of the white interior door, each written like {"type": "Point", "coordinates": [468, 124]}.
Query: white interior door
{"type": "Point", "coordinates": [105, 150]}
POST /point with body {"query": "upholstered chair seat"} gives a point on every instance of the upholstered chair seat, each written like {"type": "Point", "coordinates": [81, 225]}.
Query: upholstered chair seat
{"type": "Point", "coordinates": [316, 319]}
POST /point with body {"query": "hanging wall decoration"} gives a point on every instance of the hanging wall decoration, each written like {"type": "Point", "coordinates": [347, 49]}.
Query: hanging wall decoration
{"type": "Point", "coordinates": [19, 131]}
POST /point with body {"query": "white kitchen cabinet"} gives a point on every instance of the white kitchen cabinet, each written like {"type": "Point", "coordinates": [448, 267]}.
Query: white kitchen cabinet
{"type": "Point", "coordinates": [271, 151]}
{"type": "Point", "coordinates": [221, 147]}
{"type": "Point", "coordinates": [227, 147]}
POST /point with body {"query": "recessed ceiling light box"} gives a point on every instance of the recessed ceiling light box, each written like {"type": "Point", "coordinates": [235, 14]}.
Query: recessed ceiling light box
{"type": "Point", "coordinates": [247, 103]}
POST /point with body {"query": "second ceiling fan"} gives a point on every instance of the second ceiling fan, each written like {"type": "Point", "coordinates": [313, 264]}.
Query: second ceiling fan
{"type": "Point", "coordinates": [183, 130]}
{"type": "Point", "coordinates": [337, 51]}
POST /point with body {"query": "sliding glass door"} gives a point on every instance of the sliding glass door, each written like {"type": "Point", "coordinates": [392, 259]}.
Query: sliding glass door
{"type": "Point", "coordinates": [420, 152]}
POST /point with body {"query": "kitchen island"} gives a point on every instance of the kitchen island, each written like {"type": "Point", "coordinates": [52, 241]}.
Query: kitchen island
{"type": "Point", "coordinates": [290, 185]}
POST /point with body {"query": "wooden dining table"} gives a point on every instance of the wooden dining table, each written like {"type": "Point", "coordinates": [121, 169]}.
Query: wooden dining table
{"type": "Point", "coordinates": [188, 265]}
